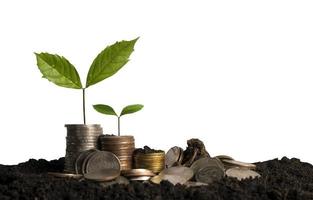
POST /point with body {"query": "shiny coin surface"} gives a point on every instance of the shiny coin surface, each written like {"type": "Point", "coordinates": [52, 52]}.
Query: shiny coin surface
{"type": "Point", "coordinates": [64, 175]}
{"type": "Point", "coordinates": [138, 173]}
{"type": "Point", "coordinates": [209, 174]}
{"type": "Point", "coordinates": [184, 172]}
{"type": "Point", "coordinates": [173, 156]}
{"type": "Point", "coordinates": [241, 174]}
{"type": "Point", "coordinates": [102, 175]}
{"type": "Point", "coordinates": [236, 163]}
{"type": "Point", "coordinates": [101, 160]}
{"type": "Point", "coordinates": [140, 178]}
{"type": "Point", "coordinates": [174, 179]}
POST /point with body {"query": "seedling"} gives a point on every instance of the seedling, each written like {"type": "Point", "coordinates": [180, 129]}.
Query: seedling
{"type": "Point", "coordinates": [61, 72]}
{"type": "Point", "coordinates": [108, 110]}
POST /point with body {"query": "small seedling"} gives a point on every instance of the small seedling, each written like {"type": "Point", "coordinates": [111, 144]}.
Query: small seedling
{"type": "Point", "coordinates": [61, 72]}
{"type": "Point", "coordinates": [108, 110]}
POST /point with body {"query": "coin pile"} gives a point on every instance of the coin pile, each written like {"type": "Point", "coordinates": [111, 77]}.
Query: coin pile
{"type": "Point", "coordinates": [152, 161]}
{"type": "Point", "coordinates": [80, 138]}
{"type": "Point", "coordinates": [138, 174]}
{"type": "Point", "coordinates": [122, 146]}
{"type": "Point", "coordinates": [174, 175]}
{"type": "Point", "coordinates": [94, 161]}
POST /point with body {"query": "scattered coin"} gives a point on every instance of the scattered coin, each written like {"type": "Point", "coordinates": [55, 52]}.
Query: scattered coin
{"type": "Point", "coordinates": [207, 170]}
{"type": "Point", "coordinates": [119, 180]}
{"type": "Point", "coordinates": [140, 178]}
{"type": "Point", "coordinates": [241, 173]}
{"type": "Point", "coordinates": [138, 173]}
{"type": "Point", "coordinates": [184, 172]}
{"type": "Point", "coordinates": [209, 174]}
{"type": "Point", "coordinates": [173, 156]}
{"type": "Point", "coordinates": [80, 160]}
{"type": "Point", "coordinates": [100, 160]}
{"type": "Point", "coordinates": [102, 175]}
{"type": "Point", "coordinates": [64, 175]}
{"type": "Point", "coordinates": [235, 163]}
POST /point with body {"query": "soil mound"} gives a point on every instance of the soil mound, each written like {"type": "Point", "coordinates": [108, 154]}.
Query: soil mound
{"type": "Point", "coordinates": [285, 179]}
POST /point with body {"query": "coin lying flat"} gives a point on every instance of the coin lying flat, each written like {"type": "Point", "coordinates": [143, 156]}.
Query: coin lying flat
{"type": "Point", "coordinates": [138, 173]}
{"type": "Point", "coordinates": [235, 163]}
{"type": "Point", "coordinates": [102, 175]}
{"type": "Point", "coordinates": [241, 173]}
{"type": "Point", "coordinates": [64, 175]}
{"type": "Point", "coordinates": [102, 160]}
{"type": "Point", "coordinates": [173, 156]}
{"type": "Point", "coordinates": [184, 172]}
{"type": "Point", "coordinates": [140, 178]}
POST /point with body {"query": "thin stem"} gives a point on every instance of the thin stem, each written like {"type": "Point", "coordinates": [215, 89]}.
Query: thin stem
{"type": "Point", "coordinates": [119, 125]}
{"type": "Point", "coordinates": [84, 107]}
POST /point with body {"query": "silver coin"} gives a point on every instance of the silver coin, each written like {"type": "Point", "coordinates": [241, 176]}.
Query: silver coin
{"type": "Point", "coordinates": [235, 163]}
{"type": "Point", "coordinates": [184, 172]}
{"type": "Point", "coordinates": [206, 162]}
{"type": "Point", "coordinates": [174, 179]}
{"type": "Point", "coordinates": [84, 166]}
{"type": "Point", "coordinates": [103, 175]}
{"type": "Point", "coordinates": [209, 174]}
{"type": "Point", "coordinates": [80, 159]}
{"type": "Point", "coordinates": [172, 156]}
{"type": "Point", "coordinates": [102, 160]}
{"type": "Point", "coordinates": [241, 173]}
{"type": "Point", "coordinates": [140, 178]}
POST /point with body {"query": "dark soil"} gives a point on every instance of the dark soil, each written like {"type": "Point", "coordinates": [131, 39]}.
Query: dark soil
{"type": "Point", "coordinates": [283, 179]}
{"type": "Point", "coordinates": [146, 150]}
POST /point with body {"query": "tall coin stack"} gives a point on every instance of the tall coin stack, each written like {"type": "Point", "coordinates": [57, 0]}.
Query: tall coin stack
{"type": "Point", "coordinates": [152, 161]}
{"type": "Point", "coordinates": [122, 146]}
{"type": "Point", "coordinates": [80, 138]}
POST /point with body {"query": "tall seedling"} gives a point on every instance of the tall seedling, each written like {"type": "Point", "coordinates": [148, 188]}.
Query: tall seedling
{"type": "Point", "coordinates": [61, 72]}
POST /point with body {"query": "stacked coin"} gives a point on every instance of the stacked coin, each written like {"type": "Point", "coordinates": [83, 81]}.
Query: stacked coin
{"type": "Point", "coordinates": [122, 146]}
{"type": "Point", "coordinates": [80, 138]}
{"type": "Point", "coordinates": [152, 161]}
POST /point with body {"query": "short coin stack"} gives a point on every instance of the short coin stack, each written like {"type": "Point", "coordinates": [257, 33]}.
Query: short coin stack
{"type": "Point", "coordinates": [79, 138]}
{"type": "Point", "coordinates": [122, 146]}
{"type": "Point", "coordinates": [138, 174]}
{"type": "Point", "coordinates": [152, 161]}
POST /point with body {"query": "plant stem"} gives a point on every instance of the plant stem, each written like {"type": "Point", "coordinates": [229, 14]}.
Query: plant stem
{"type": "Point", "coordinates": [119, 125]}
{"type": "Point", "coordinates": [84, 107]}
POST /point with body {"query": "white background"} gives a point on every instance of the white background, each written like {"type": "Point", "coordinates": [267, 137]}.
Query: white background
{"type": "Point", "coordinates": [236, 74]}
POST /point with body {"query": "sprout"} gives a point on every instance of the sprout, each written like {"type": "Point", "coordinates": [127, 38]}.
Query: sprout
{"type": "Point", "coordinates": [108, 110]}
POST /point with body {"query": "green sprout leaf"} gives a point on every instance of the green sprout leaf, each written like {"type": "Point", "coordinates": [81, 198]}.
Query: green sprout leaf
{"type": "Point", "coordinates": [58, 70]}
{"type": "Point", "coordinates": [110, 61]}
{"type": "Point", "coordinates": [104, 109]}
{"type": "Point", "coordinates": [131, 109]}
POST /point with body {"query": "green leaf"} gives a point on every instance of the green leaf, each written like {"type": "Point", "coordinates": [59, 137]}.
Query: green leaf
{"type": "Point", "coordinates": [110, 61]}
{"type": "Point", "coordinates": [131, 109]}
{"type": "Point", "coordinates": [104, 109]}
{"type": "Point", "coordinates": [58, 70]}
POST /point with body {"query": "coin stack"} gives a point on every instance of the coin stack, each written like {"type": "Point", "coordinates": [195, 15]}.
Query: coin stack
{"type": "Point", "coordinates": [122, 146]}
{"type": "Point", "coordinates": [79, 138]}
{"type": "Point", "coordinates": [152, 161]}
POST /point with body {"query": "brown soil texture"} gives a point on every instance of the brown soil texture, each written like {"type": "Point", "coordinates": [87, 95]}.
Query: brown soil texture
{"type": "Point", "coordinates": [146, 150]}
{"type": "Point", "coordinates": [283, 179]}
